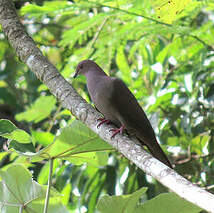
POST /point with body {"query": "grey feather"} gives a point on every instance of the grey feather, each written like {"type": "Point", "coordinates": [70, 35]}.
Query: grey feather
{"type": "Point", "coordinates": [116, 102]}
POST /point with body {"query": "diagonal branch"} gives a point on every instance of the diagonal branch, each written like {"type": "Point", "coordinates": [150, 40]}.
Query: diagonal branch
{"type": "Point", "coordinates": [28, 52]}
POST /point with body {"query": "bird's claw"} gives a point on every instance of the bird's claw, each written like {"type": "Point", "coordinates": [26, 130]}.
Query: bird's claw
{"type": "Point", "coordinates": [116, 131]}
{"type": "Point", "coordinates": [102, 121]}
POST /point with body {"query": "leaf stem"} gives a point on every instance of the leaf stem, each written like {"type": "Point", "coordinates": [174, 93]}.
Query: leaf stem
{"type": "Point", "coordinates": [74, 147]}
{"type": "Point", "coordinates": [49, 185]}
{"type": "Point", "coordinates": [21, 209]}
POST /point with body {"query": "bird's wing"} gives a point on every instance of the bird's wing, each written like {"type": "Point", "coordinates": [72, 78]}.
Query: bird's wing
{"type": "Point", "coordinates": [128, 111]}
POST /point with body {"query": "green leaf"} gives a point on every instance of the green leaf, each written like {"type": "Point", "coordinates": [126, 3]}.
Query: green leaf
{"type": "Point", "coordinates": [44, 172]}
{"type": "Point", "coordinates": [66, 194]}
{"type": "Point", "coordinates": [168, 10]}
{"type": "Point", "coordinates": [44, 138]}
{"type": "Point", "coordinates": [120, 204]}
{"type": "Point", "coordinates": [6, 127]}
{"type": "Point", "coordinates": [3, 155]}
{"type": "Point", "coordinates": [18, 138]}
{"type": "Point", "coordinates": [18, 135]}
{"type": "Point", "coordinates": [78, 144]}
{"type": "Point", "coordinates": [39, 110]}
{"type": "Point", "coordinates": [28, 151]}
{"type": "Point", "coordinates": [167, 202]}
{"type": "Point", "coordinates": [80, 32]}
{"type": "Point", "coordinates": [53, 7]}
{"type": "Point", "coordinates": [198, 143]}
{"type": "Point", "coordinates": [23, 148]}
{"type": "Point", "coordinates": [19, 191]}
{"type": "Point", "coordinates": [123, 64]}
{"type": "Point", "coordinates": [42, 87]}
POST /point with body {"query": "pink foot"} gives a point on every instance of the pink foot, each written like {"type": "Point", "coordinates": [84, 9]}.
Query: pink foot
{"type": "Point", "coordinates": [102, 121]}
{"type": "Point", "coordinates": [116, 131]}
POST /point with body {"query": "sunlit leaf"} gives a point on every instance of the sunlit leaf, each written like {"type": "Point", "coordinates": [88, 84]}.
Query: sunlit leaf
{"type": "Point", "coordinates": [19, 135]}
{"type": "Point", "coordinates": [167, 10]}
{"type": "Point", "coordinates": [44, 138]}
{"type": "Point", "coordinates": [6, 127]}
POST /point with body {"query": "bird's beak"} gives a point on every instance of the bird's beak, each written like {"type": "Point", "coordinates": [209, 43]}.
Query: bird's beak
{"type": "Point", "coordinates": [76, 73]}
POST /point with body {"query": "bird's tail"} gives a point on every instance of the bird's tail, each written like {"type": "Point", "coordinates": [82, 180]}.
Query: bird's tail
{"type": "Point", "coordinates": [158, 153]}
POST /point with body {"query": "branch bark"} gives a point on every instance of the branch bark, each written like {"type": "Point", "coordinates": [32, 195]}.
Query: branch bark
{"type": "Point", "coordinates": [27, 51]}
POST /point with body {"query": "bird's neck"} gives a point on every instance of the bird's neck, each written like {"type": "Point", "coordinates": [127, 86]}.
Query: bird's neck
{"type": "Point", "coordinates": [94, 72]}
{"type": "Point", "coordinates": [94, 76]}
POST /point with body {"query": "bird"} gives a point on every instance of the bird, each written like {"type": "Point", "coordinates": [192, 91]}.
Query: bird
{"type": "Point", "coordinates": [119, 106]}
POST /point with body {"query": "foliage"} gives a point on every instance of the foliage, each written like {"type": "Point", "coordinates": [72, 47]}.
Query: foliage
{"type": "Point", "coordinates": [129, 203]}
{"type": "Point", "coordinates": [24, 193]}
{"type": "Point", "coordinates": [163, 50]}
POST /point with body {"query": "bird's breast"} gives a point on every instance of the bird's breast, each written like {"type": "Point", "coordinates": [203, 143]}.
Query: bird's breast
{"type": "Point", "coordinates": [100, 93]}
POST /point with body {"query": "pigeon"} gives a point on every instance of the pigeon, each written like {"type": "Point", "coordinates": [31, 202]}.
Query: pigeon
{"type": "Point", "coordinates": [119, 106]}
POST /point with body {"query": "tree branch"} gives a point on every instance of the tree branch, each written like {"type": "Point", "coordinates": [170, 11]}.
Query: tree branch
{"type": "Point", "coordinates": [28, 52]}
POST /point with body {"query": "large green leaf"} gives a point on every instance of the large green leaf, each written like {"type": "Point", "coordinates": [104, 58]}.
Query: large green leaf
{"type": "Point", "coordinates": [10, 131]}
{"type": "Point", "coordinates": [167, 202]}
{"type": "Point", "coordinates": [120, 204]}
{"type": "Point", "coordinates": [19, 191]}
{"type": "Point", "coordinates": [19, 135]}
{"type": "Point", "coordinates": [78, 144]}
{"type": "Point", "coordinates": [6, 127]}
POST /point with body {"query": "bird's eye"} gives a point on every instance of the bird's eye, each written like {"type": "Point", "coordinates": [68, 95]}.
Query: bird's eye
{"type": "Point", "coordinates": [81, 66]}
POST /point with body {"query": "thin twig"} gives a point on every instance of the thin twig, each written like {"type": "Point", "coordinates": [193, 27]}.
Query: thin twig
{"type": "Point", "coordinates": [49, 186]}
{"type": "Point", "coordinates": [82, 152]}
{"type": "Point", "coordinates": [98, 32]}
{"type": "Point", "coordinates": [96, 37]}
{"type": "Point", "coordinates": [201, 41]}
{"type": "Point", "coordinates": [21, 209]}
{"type": "Point", "coordinates": [73, 148]}
{"type": "Point", "coordinates": [209, 187]}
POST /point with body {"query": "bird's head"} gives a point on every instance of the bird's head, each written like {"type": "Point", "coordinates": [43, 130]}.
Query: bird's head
{"type": "Point", "coordinates": [85, 67]}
